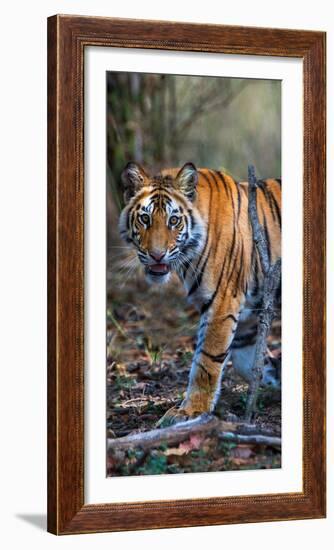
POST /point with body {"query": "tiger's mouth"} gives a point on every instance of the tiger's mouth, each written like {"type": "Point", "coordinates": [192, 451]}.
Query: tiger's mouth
{"type": "Point", "coordinates": [158, 270]}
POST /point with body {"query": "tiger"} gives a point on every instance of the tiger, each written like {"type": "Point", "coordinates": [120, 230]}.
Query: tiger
{"type": "Point", "coordinates": [195, 222]}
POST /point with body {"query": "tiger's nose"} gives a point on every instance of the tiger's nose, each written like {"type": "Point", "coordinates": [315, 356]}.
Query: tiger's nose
{"type": "Point", "coordinates": [157, 256]}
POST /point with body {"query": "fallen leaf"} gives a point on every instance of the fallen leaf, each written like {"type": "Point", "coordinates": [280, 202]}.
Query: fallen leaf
{"type": "Point", "coordinates": [176, 451]}
{"type": "Point", "coordinates": [193, 443]}
{"type": "Point", "coordinates": [242, 451]}
{"type": "Point", "coordinates": [240, 461]}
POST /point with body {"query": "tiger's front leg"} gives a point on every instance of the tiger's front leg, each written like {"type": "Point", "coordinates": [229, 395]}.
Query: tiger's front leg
{"type": "Point", "coordinates": [215, 335]}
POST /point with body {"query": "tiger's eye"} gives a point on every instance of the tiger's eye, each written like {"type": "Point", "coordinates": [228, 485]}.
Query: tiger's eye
{"type": "Point", "coordinates": [173, 220]}
{"type": "Point", "coordinates": [145, 218]}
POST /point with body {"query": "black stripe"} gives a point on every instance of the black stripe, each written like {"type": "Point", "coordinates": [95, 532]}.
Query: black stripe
{"type": "Point", "coordinates": [192, 243]}
{"type": "Point", "coordinates": [229, 316]}
{"type": "Point", "coordinates": [231, 252]}
{"type": "Point", "coordinates": [241, 270]}
{"type": "Point", "coordinates": [220, 225]}
{"type": "Point", "coordinates": [212, 174]}
{"type": "Point", "coordinates": [230, 195]}
{"type": "Point", "coordinates": [231, 273]}
{"type": "Point", "coordinates": [239, 345]}
{"type": "Point", "coordinates": [267, 237]}
{"type": "Point", "coordinates": [267, 195]}
{"type": "Point", "coordinates": [198, 279]}
{"type": "Point", "coordinates": [154, 198]}
{"type": "Point", "coordinates": [244, 340]}
{"type": "Point", "coordinates": [188, 245]}
{"type": "Point", "coordinates": [209, 216]}
{"type": "Point", "coordinates": [207, 304]}
{"type": "Point", "coordinates": [192, 219]}
{"type": "Point", "coordinates": [132, 218]}
{"type": "Point", "coordinates": [128, 220]}
{"type": "Point", "coordinates": [232, 249]}
{"type": "Point", "coordinates": [276, 207]}
{"type": "Point", "coordinates": [222, 179]}
{"type": "Point", "coordinates": [186, 223]}
{"type": "Point", "coordinates": [199, 260]}
{"type": "Point", "coordinates": [239, 197]}
{"type": "Point", "coordinates": [234, 232]}
{"type": "Point", "coordinates": [216, 358]}
{"type": "Point", "coordinates": [205, 370]}
{"type": "Point", "coordinates": [159, 195]}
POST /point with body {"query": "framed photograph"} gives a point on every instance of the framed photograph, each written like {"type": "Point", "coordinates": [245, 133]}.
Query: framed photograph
{"type": "Point", "coordinates": [186, 274]}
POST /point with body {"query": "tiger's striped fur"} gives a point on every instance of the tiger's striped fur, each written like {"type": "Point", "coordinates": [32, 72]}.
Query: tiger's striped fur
{"type": "Point", "coordinates": [195, 222]}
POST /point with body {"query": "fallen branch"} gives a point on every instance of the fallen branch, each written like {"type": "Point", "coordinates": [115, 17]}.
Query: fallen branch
{"type": "Point", "coordinates": [204, 424]}
{"type": "Point", "coordinates": [272, 277]}
{"type": "Point", "coordinates": [255, 439]}
{"type": "Point", "coordinates": [171, 435]}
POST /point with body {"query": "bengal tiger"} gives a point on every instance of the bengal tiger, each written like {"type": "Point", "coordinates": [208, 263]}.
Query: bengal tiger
{"type": "Point", "coordinates": [195, 222]}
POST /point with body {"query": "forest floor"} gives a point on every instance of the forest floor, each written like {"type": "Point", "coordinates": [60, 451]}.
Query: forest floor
{"type": "Point", "coordinates": [151, 333]}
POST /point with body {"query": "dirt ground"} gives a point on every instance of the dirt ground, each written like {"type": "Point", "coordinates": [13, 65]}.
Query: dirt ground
{"type": "Point", "coordinates": [151, 332]}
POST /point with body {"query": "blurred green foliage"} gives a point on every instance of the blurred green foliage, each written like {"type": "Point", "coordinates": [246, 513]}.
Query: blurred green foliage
{"type": "Point", "coordinates": [166, 120]}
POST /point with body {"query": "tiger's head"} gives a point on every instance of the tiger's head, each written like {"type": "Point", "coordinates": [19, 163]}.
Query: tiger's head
{"type": "Point", "coordinates": [160, 219]}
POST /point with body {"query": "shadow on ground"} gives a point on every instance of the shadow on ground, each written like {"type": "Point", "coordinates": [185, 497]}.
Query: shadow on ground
{"type": "Point", "coordinates": [37, 520]}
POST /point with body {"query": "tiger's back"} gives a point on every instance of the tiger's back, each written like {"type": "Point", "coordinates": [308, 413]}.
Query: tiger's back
{"type": "Point", "coordinates": [227, 262]}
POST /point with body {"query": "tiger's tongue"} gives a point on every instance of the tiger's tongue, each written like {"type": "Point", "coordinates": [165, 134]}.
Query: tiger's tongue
{"type": "Point", "coordinates": [159, 268]}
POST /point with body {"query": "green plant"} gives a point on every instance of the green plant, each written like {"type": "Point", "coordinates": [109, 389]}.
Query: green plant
{"type": "Point", "coordinates": [155, 464]}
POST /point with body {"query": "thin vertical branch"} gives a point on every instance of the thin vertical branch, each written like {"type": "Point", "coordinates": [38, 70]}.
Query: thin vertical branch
{"type": "Point", "coordinates": [271, 280]}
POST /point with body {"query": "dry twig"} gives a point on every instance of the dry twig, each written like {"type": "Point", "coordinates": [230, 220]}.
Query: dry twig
{"type": "Point", "coordinates": [272, 277]}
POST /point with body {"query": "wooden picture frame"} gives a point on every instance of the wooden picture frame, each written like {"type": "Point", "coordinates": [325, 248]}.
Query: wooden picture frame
{"type": "Point", "coordinates": [68, 36]}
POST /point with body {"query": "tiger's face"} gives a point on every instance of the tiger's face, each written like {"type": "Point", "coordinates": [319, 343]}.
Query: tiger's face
{"type": "Point", "coordinates": [160, 219]}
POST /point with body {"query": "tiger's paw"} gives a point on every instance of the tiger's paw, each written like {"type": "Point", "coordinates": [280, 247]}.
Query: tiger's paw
{"type": "Point", "coordinates": [175, 415]}
{"type": "Point", "coordinates": [172, 416]}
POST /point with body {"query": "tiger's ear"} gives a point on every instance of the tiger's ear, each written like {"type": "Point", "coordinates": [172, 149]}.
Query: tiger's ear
{"type": "Point", "coordinates": [133, 177]}
{"type": "Point", "coordinates": [187, 179]}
